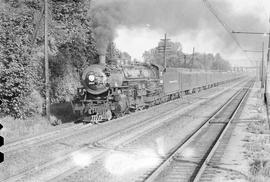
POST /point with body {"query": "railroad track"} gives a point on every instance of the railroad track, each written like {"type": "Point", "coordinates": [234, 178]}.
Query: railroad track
{"type": "Point", "coordinates": [119, 146]}
{"type": "Point", "coordinates": [56, 135]}
{"type": "Point", "coordinates": [188, 160]}
{"type": "Point", "coordinates": [146, 124]}
{"type": "Point", "coordinates": [62, 133]}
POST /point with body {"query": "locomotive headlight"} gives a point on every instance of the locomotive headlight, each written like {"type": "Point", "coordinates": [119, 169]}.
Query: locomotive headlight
{"type": "Point", "coordinates": [91, 78]}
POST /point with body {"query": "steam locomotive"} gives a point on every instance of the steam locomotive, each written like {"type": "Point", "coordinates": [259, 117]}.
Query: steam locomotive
{"type": "Point", "coordinates": [112, 90]}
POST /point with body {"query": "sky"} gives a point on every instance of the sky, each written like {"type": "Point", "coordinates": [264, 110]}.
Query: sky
{"type": "Point", "coordinates": [193, 25]}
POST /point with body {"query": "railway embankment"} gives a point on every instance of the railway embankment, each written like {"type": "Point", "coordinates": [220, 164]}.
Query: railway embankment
{"type": "Point", "coordinates": [246, 157]}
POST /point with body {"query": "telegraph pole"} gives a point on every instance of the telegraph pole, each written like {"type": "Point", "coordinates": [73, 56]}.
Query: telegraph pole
{"type": "Point", "coordinates": [204, 61]}
{"type": "Point", "coordinates": [266, 91]}
{"type": "Point", "coordinates": [267, 79]}
{"type": "Point", "coordinates": [46, 63]}
{"type": "Point", "coordinates": [37, 27]}
{"type": "Point", "coordinates": [268, 69]}
{"type": "Point", "coordinates": [164, 51]}
{"type": "Point", "coordinates": [262, 67]}
{"type": "Point", "coordinates": [185, 61]}
{"type": "Point", "coordinates": [163, 48]}
{"type": "Point", "coordinates": [192, 59]}
{"type": "Point", "coordinates": [267, 60]}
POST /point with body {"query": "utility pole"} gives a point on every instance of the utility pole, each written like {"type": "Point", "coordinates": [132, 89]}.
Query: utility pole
{"type": "Point", "coordinates": [164, 48]}
{"type": "Point", "coordinates": [185, 61]}
{"type": "Point", "coordinates": [192, 59]}
{"type": "Point", "coordinates": [267, 60]}
{"type": "Point", "coordinates": [47, 86]}
{"type": "Point", "coordinates": [267, 70]}
{"type": "Point", "coordinates": [266, 91]}
{"type": "Point", "coordinates": [164, 51]}
{"type": "Point", "coordinates": [37, 26]}
{"type": "Point", "coordinates": [204, 61]}
{"type": "Point", "coordinates": [262, 67]}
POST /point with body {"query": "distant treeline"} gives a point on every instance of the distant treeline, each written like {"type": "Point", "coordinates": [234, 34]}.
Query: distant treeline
{"type": "Point", "coordinates": [177, 58]}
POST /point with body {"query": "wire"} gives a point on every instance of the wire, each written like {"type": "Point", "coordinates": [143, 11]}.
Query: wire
{"type": "Point", "coordinates": [226, 27]}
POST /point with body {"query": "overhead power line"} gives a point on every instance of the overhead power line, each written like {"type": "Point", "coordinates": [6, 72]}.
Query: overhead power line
{"type": "Point", "coordinates": [225, 26]}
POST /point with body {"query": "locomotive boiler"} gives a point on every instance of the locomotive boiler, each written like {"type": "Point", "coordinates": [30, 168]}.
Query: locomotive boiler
{"type": "Point", "coordinates": [111, 90]}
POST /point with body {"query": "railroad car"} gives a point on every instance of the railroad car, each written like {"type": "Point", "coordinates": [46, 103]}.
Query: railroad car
{"type": "Point", "coordinates": [111, 90]}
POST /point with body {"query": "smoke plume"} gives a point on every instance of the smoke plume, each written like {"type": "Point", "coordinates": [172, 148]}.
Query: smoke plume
{"type": "Point", "coordinates": [172, 16]}
{"type": "Point", "coordinates": [105, 21]}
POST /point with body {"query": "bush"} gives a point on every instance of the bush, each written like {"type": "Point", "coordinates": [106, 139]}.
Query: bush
{"type": "Point", "coordinates": [35, 102]}
{"type": "Point", "coordinates": [65, 87]}
{"type": "Point", "coordinates": [15, 90]}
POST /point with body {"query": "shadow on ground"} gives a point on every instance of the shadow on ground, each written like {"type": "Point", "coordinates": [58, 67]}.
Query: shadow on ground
{"type": "Point", "coordinates": [63, 112]}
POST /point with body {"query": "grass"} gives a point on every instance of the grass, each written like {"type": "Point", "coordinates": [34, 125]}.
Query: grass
{"type": "Point", "coordinates": [15, 129]}
{"type": "Point", "coordinates": [260, 170]}
{"type": "Point", "coordinates": [258, 127]}
{"type": "Point", "coordinates": [259, 151]}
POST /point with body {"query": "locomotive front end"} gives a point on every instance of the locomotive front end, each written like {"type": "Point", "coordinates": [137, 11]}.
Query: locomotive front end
{"type": "Point", "coordinates": [92, 99]}
{"type": "Point", "coordinates": [94, 79]}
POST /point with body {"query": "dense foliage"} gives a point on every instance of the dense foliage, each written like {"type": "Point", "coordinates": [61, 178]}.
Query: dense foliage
{"type": "Point", "coordinates": [17, 76]}
{"type": "Point", "coordinates": [71, 46]}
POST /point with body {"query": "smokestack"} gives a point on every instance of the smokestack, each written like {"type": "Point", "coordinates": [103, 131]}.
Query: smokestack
{"type": "Point", "coordinates": [102, 59]}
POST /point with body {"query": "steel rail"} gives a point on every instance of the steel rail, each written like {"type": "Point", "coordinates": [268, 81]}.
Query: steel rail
{"type": "Point", "coordinates": [154, 173]}
{"type": "Point", "coordinates": [223, 132]}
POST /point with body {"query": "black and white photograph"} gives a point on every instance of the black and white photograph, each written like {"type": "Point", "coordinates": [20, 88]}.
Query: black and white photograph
{"type": "Point", "coordinates": [134, 90]}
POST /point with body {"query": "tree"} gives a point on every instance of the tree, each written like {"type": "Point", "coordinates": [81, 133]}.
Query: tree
{"type": "Point", "coordinates": [17, 75]}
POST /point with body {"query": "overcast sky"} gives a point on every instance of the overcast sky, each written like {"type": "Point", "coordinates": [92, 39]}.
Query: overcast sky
{"type": "Point", "coordinates": [204, 32]}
